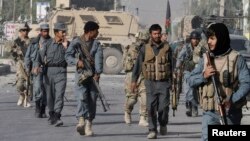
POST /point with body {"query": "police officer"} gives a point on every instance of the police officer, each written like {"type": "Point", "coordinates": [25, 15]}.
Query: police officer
{"type": "Point", "coordinates": [231, 75]}
{"type": "Point", "coordinates": [85, 91]}
{"type": "Point", "coordinates": [18, 51]}
{"type": "Point", "coordinates": [186, 61]}
{"type": "Point", "coordinates": [154, 62]}
{"type": "Point", "coordinates": [30, 57]}
{"type": "Point", "coordinates": [129, 58]}
{"type": "Point", "coordinates": [52, 57]}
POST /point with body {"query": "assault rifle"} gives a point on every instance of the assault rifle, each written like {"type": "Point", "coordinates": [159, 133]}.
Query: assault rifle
{"type": "Point", "coordinates": [222, 110]}
{"type": "Point", "coordinates": [174, 93]}
{"type": "Point", "coordinates": [176, 90]}
{"type": "Point", "coordinates": [87, 73]}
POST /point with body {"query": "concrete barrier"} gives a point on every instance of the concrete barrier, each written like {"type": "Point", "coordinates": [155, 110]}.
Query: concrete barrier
{"type": "Point", "coordinates": [4, 69]}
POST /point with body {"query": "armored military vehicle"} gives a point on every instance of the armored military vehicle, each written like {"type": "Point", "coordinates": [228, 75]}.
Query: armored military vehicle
{"type": "Point", "coordinates": [117, 30]}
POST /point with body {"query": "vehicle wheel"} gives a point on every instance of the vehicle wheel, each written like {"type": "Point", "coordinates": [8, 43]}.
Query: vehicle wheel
{"type": "Point", "coordinates": [112, 61]}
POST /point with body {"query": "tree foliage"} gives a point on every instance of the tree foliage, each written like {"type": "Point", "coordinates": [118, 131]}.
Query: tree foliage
{"type": "Point", "coordinates": [22, 7]}
{"type": "Point", "coordinates": [232, 11]}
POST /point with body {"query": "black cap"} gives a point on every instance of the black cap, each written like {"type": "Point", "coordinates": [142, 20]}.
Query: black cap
{"type": "Point", "coordinates": [195, 35]}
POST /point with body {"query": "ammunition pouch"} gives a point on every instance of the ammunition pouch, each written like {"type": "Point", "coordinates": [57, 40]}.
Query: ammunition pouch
{"type": "Point", "coordinates": [189, 65]}
{"type": "Point", "coordinates": [226, 78]}
{"type": "Point", "coordinates": [84, 77]}
{"type": "Point", "coordinates": [129, 65]}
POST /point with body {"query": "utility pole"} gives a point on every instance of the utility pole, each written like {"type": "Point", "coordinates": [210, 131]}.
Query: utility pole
{"type": "Point", "coordinates": [1, 7]}
{"type": "Point", "coordinates": [14, 10]}
{"type": "Point", "coordinates": [189, 7]}
{"type": "Point", "coordinates": [248, 12]}
{"type": "Point", "coordinates": [222, 3]}
{"type": "Point", "coordinates": [31, 18]}
{"type": "Point", "coordinates": [115, 5]}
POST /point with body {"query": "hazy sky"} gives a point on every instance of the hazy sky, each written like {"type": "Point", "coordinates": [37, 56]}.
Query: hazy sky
{"type": "Point", "coordinates": [154, 11]}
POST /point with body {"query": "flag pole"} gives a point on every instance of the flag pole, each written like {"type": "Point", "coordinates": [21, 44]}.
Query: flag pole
{"type": "Point", "coordinates": [168, 21]}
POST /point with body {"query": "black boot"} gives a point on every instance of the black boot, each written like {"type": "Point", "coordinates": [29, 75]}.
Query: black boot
{"type": "Point", "coordinates": [189, 109]}
{"type": "Point", "coordinates": [194, 111]}
{"type": "Point", "coordinates": [38, 110]}
{"type": "Point", "coordinates": [58, 121]}
{"type": "Point", "coordinates": [43, 111]}
{"type": "Point", "coordinates": [51, 119]}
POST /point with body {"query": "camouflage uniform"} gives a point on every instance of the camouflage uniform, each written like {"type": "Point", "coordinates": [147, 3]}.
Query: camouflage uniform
{"type": "Point", "coordinates": [18, 50]}
{"type": "Point", "coordinates": [131, 98]}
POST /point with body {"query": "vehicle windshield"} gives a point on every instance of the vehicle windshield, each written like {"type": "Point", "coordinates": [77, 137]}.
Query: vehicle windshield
{"type": "Point", "coordinates": [238, 45]}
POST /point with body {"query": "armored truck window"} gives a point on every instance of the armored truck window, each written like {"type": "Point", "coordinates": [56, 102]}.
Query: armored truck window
{"type": "Point", "coordinates": [65, 19]}
{"type": "Point", "coordinates": [113, 20]}
{"type": "Point", "coordinates": [86, 18]}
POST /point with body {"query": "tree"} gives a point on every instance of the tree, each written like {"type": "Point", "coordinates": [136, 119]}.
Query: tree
{"type": "Point", "coordinates": [232, 11]}
{"type": "Point", "coordinates": [22, 8]}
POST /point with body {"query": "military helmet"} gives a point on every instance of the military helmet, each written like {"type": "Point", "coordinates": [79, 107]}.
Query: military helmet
{"type": "Point", "coordinates": [24, 26]}
{"type": "Point", "coordinates": [142, 35]}
{"type": "Point", "coordinates": [195, 35]}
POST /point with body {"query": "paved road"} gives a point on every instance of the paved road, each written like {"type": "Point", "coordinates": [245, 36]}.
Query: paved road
{"type": "Point", "coordinates": [19, 124]}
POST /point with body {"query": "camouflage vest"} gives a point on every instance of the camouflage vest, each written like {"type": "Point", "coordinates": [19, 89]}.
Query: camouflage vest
{"type": "Point", "coordinates": [222, 64]}
{"type": "Point", "coordinates": [156, 67]}
{"type": "Point", "coordinates": [130, 56]}
{"type": "Point", "coordinates": [192, 58]}
{"type": "Point", "coordinates": [19, 48]}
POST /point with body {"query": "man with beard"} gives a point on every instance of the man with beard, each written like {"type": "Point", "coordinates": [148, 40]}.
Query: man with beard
{"type": "Point", "coordinates": [52, 57]}
{"type": "Point", "coordinates": [154, 62]}
{"type": "Point", "coordinates": [82, 49]}
{"type": "Point", "coordinates": [229, 71]}
{"type": "Point", "coordinates": [30, 57]}
{"type": "Point", "coordinates": [187, 60]}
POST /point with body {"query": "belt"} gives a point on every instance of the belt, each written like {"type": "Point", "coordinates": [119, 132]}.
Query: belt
{"type": "Point", "coordinates": [64, 64]}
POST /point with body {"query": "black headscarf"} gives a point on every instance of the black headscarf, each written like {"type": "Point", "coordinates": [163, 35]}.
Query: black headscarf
{"type": "Point", "coordinates": [223, 40]}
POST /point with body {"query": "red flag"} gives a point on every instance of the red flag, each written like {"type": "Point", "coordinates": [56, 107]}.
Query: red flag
{"type": "Point", "coordinates": [168, 18]}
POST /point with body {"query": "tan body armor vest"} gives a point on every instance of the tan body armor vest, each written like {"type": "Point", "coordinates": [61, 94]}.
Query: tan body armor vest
{"type": "Point", "coordinates": [224, 63]}
{"type": "Point", "coordinates": [156, 67]}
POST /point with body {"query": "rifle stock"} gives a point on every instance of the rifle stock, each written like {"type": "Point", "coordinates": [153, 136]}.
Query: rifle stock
{"type": "Point", "coordinates": [174, 92]}
{"type": "Point", "coordinates": [222, 110]}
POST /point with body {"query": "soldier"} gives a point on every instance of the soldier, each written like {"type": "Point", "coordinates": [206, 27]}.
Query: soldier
{"type": "Point", "coordinates": [231, 75]}
{"type": "Point", "coordinates": [18, 50]}
{"type": "Point", "coordinates": [154, 62]}
{"type": "Point", "coordinates": [52, 57]}
{"type": "Point", "coordinates": [187, 59]}
{"type": "Point", "coordinates": [30, 57]}
{"type": "Point", "coordinates": [129, 59]}
{"type": "Point", "coordinates": [85, 91]}
{"type": "Point", "coordinates": [164, 37]}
